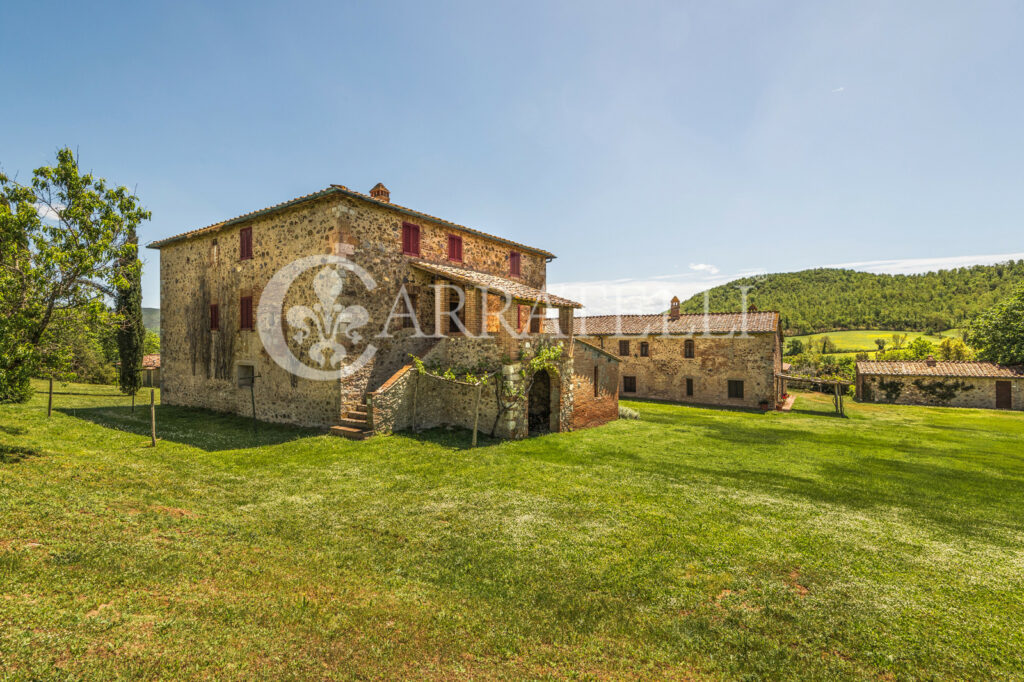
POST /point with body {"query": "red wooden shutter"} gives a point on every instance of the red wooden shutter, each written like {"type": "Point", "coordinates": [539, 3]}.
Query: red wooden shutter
{"type": "Point", "coordinates": [245, 314]}
{"type": "Point", "coordinates": [245, 243]}
{"type": "Point", "coordinates": [410, 239]}
{"type": "Point", "coordinates": [455, 248]}
{"type": "Point", "coordinates": [513, 264]}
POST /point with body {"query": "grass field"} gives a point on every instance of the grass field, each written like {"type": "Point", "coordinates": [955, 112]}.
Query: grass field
{"type": "Point", "coordinates": [691, 544]}
{"type": "Point", "coordinates": [864, 340]}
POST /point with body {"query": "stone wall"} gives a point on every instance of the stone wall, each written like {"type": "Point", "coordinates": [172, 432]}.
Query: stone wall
{"type": "Point", "coordinates": [201, 366]}
{"type": "Point", "coordinates": [754, 359]}
{"type": "Point", "coordinates": [594, 407]}
{"type": "Point", "coordinates": [977, 392]}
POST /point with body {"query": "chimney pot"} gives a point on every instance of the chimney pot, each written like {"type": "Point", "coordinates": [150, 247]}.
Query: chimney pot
{"type": "Point", "coordinates": [673, 309]}
{"type": "Point", "coordinates": [930, 361]}
{"type": "Point", "coordinates": [381, 193]}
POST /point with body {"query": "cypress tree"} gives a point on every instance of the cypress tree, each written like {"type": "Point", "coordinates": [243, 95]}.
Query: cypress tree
{"type": "Point", "coordinates": [131, 334]}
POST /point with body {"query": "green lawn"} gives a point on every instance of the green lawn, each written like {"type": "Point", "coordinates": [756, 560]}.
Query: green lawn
{"type": "Point", "coordinates": [691, 544]}
{"type": "Point", "coordinates": [864, 340]}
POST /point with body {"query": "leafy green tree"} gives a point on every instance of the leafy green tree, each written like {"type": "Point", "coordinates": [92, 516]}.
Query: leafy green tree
{"type": "Point", "coordinates": [920, 349]}
{"type": "Point", "coordinates": [63, 239]}
{"type": "Point", "coordinates": [794, 347]}
{"type": "Point", "coordinates": [954, 350]}
{"type": "Point", "coordinates": [131, 333]}
{"type": "Point", "coordinates": [898, 341]}
{"type": "Point", "coordinates": [881, 345]}
{"type": "Point", "coordinates": [151, 345]}
{"type": "Point", "coordinates": [828, 345]}
{"type": "Point", "coordinates": [998, 333]}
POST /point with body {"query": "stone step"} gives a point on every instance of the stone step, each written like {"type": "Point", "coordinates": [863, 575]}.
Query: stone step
{"type": "Point", "coordinates": [350, 432]}
{"type": "Point", "coordinates": [354, 423]}
{"type": "Point", "coordinates": [356, 414]}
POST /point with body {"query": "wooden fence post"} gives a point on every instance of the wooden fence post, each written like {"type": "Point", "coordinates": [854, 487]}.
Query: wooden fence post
{"type": "Point", "coordinates": [152, 415]}
{"type": "Point", "coordinates": [49, 402]}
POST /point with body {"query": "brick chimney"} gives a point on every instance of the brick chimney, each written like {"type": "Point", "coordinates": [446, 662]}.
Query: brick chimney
{"type": "Point", "coordinates": [673, 308]}
{"type": "Point", "coordinates": [381, 193]}
{"type": "Point", "coordinates": [930, 361]}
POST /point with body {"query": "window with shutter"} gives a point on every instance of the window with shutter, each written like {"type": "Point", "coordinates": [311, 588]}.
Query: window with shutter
{"type": "Point", "coordinates": [624, 347]}
{"type": "Point", "coordinates": [410, 239]}
{"type": "Point", "coordinates": [214, 317]}
{"type": "Point", "coordinates": [645, 349]}
{"type": "Point", "coordinates": [689, 387]}
{"type": "Point", "coordinates": [688, 348]}
{"type": "Point", "coordinates": [245, 313]}
{"type": "Point", "coordinates": [245, 243]}
{"type": "Point", "coordinates": [514, 264]}
{"type": "Point", "coordinates": [455, 248]}
{"type": "Point", "coordinates": [629, 384]}
{"type": "Point", "coordinates": [735, 389]}
{"type": "Point", "coordinates": [536, 321]}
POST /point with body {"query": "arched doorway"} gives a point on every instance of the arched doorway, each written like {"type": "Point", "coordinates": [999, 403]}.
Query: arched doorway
{"type": "Point", "coordinates": [539, 406]}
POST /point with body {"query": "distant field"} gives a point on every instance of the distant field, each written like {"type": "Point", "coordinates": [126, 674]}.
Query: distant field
{"type": "Point", "coordinates": [864, 340]}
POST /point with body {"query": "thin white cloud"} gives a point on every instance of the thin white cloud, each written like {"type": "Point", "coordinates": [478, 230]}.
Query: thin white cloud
{"type": "Point", "coordinates": [47, 213]}
{"type": "Point", "coordinates": [909, 266]}
{"type": "Point", "coordinates": [704, 267]}
{"type": "Point", "coordinates": [841, 88]}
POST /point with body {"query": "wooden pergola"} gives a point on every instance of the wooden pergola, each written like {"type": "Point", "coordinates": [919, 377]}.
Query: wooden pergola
{"type": "Point", "coordinates": [838, 388]}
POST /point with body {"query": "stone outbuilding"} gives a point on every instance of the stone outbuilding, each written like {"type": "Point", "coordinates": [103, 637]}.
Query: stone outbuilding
{"type": "Point", "coordinates": [945, 384]}
{"type": "Point", "coordinates": [354, 287]}
{"type": "Point", "coordinates": [730, 359]}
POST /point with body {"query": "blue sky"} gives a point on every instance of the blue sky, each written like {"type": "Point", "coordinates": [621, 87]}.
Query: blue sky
{"type": "Point", "coordinates": [638, 141]}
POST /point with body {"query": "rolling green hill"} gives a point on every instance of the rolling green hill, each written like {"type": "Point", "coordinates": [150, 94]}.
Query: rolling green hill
{"type": "Point", "coordinates": [827, 299]}
{"type": "Point", "coordinates": [151, 319]}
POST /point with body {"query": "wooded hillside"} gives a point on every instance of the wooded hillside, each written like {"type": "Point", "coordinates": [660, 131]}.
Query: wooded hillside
{"type": "Point", "coordinates": [827, 299]}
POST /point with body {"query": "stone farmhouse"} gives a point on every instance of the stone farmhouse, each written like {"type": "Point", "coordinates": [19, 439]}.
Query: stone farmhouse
{"type": "Point", "coordinates": [947, 384]}
{"type": "Point", "coordinates": [450, 295]}
{"type": "Point", "coordinates": [730, 359]}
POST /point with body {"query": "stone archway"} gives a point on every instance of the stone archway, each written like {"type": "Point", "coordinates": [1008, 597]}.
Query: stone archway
{"type": "Point", "coordinates": [539, 404]}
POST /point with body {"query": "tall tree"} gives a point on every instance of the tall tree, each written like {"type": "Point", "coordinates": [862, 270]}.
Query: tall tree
{"type": "Point", "coordinates": [131, 333]}
{"type": "Point", "coordinates": [63, 241]}
{"type": "Point", "coordinates": [998, 333]}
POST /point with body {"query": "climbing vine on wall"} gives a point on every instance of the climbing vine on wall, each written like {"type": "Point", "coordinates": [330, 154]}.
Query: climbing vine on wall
{"type": "Point", "coordinates": [943, 391]}
{"type": "Point", "coordinates": [891, 389]}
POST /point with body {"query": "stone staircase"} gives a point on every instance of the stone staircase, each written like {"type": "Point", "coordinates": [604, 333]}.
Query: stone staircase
{"type": "Point", "coordinates": [354, 423]}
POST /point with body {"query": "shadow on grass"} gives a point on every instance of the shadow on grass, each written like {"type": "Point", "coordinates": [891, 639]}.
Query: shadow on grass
{"type": "Point", "coordinates": [12, 454]}
{"type": "Point", "coordinates": [203, 429]}
{"type": "Point", "coordinates": [450, 438]}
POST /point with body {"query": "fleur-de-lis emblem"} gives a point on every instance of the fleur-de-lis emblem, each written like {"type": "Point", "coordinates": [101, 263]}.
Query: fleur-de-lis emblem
{"type": "Point", "coordinates": [328, 318]}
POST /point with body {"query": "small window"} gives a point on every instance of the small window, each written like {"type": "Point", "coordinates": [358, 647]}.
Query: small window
{"type": "Point", "coordinates": [245, 313]}
{"type": "Point", "coordinates": [410, 239]}
{"type": "Point", "coordinates": [413, 307]}
{"type": "Point", "coordinates": [514, 264]}
{"type": "Point", "coordinates": [624, 347]}
{"type": "Point", "coordinates": [454, 309]}
{"type": "Point", "coordinates": [597, 376]}
{"type": "Point", "coordinates": [629, 384]}
{"type": "Point", "coordinates": [214, 253]}
{"type": "Point", "coordinates": [246, 375]}
{"type": "Point", "coordinates": [536, 322]}
{"type": "Point", "coordinates": [688, 348]}
{"type": "Point", "coordinates": [645, 349]}
{"type": "Point", "coordinates": [455, 248]}
{"type": "Point", "coordinates": [245, 244]}
{"type": "Point", "coordinates": [214, 317]}
{"type": "Point", "coordinates": [735, 389]}
{"type": "Point", "coordinates": [689, 388]}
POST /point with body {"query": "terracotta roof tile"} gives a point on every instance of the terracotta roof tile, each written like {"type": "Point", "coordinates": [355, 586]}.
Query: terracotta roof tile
{"type": "Point", "coordinates": [151, 361]}
{"type": "Point", "coordinates": [940, 369]}
{"type": "Point", "coordinates": [516, 290]}
{"type": "Point", "coordinates": [699, 323]}
{"type": "Point", "coordinates": [341, 189]}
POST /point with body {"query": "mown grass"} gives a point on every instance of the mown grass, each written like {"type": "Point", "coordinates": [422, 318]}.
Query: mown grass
{"type": "Point", "coordinates": [690, 544]}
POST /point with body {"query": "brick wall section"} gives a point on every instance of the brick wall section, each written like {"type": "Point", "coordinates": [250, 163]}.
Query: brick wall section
{"type": "Point", "coordinates": [754, 359]}
{"type": "Point", "coordinates": [590, 410]}
{"type": "Point", "coordinates": [981, 395]}
{"type": "Point", "coordinates": [200, 366]}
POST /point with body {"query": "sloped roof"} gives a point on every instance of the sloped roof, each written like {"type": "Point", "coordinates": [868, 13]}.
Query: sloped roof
{"type": "Point", "coordinates": [766, 321]}
{"type": "Point", "coordinates": [512, 288]}
{"type": "Point", "coordinates": [345, 191]}
{"type": "Point", "coordinates": [151, 361]}
{"type": "Point", "coordinates": [592, 347]}
{"type": "Point", "coordinates": [940, 369]}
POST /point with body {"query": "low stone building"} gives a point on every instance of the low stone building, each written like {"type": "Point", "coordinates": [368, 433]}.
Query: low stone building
{"type": "Point", "coordinates": [732, 359]}
{"type": "Point", "coordinates": [946, 384]}
{"type": "Point", "coordinates": [313, 309]}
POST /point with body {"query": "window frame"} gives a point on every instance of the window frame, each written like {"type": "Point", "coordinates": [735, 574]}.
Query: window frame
{"type": "Point", "coordinates": [245, 316]}
{"type": "Point", "coordinates": [626, 381]}
{"type": "Point", "coordinates": [734, 389]}
{"type": "Point", "coordinates": [689, 388]}
{"type": "Point", "coordinates": [455, 240]}
{"type": "Point", "coordinates": [515, 264]}
{"type": "Point", "coordinates": [411, 239]}
{"type": "Point", "coordinates": [251, 379]}
{"type": "Point", "coordinates": [689, 349]}
{"type": "Point", "coordinates": [624, 348]}
{"type": "Point", "coordinates": [645, 349]}
{"type": "Point", "coordinates": [246, 244]}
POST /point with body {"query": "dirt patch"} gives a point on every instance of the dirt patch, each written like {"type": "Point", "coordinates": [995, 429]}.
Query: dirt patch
{"type": "Point", "coordinates": [794, 576]}
{"type": "Point", "coordinates": [96, 611]}
{"type": "Point", "coordinates": [12, 454]}
{"type": "Point", "coordinates": [174, 511]}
